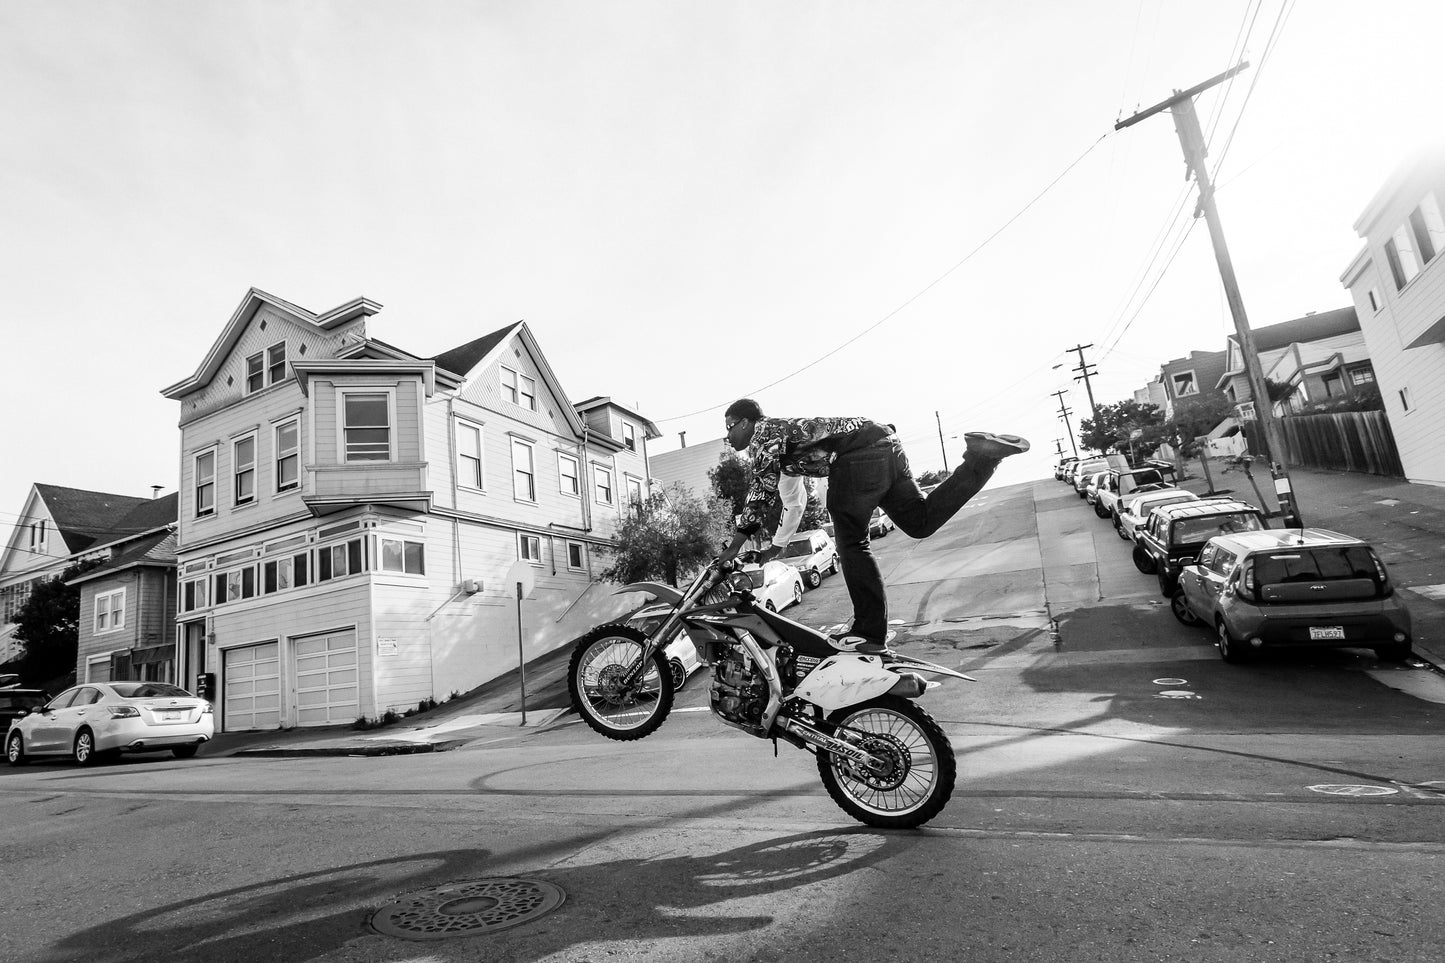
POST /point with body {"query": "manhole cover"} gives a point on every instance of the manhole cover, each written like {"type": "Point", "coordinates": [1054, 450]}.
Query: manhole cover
{"type": "Point", "coordinates": [1346, 790]}
{"type": "Point", "coordinates": [467, 908]}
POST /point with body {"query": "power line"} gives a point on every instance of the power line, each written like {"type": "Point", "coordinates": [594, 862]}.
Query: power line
{"type": "Point", "coordinates": [924, 290]}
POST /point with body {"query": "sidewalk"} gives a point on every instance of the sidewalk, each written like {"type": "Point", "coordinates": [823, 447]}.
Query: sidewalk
{"type": "Point", "coordinates": [494, 708]}
{"type": "Point", "coordinates": [1405, 523]}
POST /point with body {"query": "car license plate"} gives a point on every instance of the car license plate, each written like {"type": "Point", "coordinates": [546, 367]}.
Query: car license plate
{"type": "Point", "coordinates": [176, 716]}
{"type": "Point", "coordinates": [1327, 632]}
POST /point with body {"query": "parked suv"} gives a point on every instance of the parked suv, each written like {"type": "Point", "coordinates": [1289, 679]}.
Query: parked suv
{"type": "Point", "coordinates": [813, 555]}
{"type": "Point", "coordinates": [1083, 470]}
{"type": "Point", "coordinates": [1178, 532]}
{"type": "Point", "coordinates": [1293, 588]}
{"type": "Point", "coordinates": [1123, 483]}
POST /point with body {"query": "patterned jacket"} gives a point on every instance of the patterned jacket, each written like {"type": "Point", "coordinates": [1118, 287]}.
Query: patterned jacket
{"type": "Point", "coordinates": [798, 446]}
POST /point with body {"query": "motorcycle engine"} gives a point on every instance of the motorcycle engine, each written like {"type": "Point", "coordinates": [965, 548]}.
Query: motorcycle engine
{"type": "Point", "coordinates": [739, 692]}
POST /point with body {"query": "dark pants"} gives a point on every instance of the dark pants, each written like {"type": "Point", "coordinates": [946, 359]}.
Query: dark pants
{"type": "Point", "coordinates": [879, 477]}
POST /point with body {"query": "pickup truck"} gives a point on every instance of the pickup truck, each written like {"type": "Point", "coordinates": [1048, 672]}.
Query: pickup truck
{"type": "Point", "coordinates": [1122, 483]}
{"type": "Point", "coordinates": [1178, 532]}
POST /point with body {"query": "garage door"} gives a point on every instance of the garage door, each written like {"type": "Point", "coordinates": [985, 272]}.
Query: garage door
{"type": "Point", "coordinates": [252, 687]}
{"type": "Point", "coordinates": [326, 690]}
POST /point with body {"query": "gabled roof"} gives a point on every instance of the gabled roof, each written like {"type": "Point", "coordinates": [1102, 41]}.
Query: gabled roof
{"type": "Point", "coordinates": [1312, 327]}
{"type": "Point", "coordinates": [157, 549]}
{"type": "Point", "coordinates": [221, 349]}
{"type": "Point", "coordinates": [649, 428]}
{"type": "Point", "coordinates": [84, 518]}
{"type": "Point", "coordinates": [462, 359]}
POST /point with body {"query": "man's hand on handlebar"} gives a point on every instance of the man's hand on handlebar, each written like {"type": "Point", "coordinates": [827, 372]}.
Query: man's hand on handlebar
{"type": "Point", "coordinates": [730, 552]}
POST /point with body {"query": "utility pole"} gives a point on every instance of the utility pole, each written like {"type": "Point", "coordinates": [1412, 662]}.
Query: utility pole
{"type": "Point", "coordinates": [1191, 139]}
{"type": "Point", "coordinates": [1064, 414]}
{"type": "Point", "coordinates": [1084, 375]}
{"type": "Point", "coordinates": [941, 446]}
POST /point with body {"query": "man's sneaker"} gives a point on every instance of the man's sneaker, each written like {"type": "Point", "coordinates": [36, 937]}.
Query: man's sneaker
{"type": "Point", "coordinates": [856, 643]}
{"type": "Point", "coordinates": [984, 444]}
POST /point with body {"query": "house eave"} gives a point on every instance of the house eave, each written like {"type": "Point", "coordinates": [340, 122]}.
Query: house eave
{"type": "Point", "coordinates": [305, 370]}
{"type": "Point", "coordinates": [323, 505]}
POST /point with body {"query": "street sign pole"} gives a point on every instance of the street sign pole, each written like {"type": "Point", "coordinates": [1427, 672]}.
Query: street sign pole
{"type": "Point", "coordinates": [521, 658]}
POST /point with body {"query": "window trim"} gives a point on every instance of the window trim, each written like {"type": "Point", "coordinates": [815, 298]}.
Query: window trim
{"type": "Point", "coordinates": [213, 452]}
{"type": "Point", "coordinates": [117, 619]}
{"type": "Point", "coordinates": [513, 392]}
{"type": "Point", "coordinates": [1174, 383]}
{"type": "Point", "coordinates": [267, 366]}
{"type": "Point", "coordinates": [629, 435]}
{"type": "Point", "coordinates": [611, 485]}
{"type": "Point", "coordinates": [576, 474]}
{"type": "Point", "coordinates": [466, 424]}
{"type": "Point", "coordinates": [628, 480]}
{"type": "Point", "coordinates": [531, 473]}
{"type": "Point", "coordinates": [525, 538]}
{"type": "Point", "coordinates": [281, 455]}
{"type": "Point", "coordinates": [383, 538]}
{"type": "Point", "coordinates": [581, 565]}
{"type": "Point", "coordinates": [236, 469]}
{"type": "Point", "coordinates": [342, 392]}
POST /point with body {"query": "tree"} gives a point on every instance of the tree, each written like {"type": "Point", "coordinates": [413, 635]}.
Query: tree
{"type": "Point", "coordinates": [670, 534]}
{"type": "Point", "coordinates": [1116, 424]}
{"type": "Point", "coordinates": [932, 477]}
{"type": "Point", "coordinates": [730, 479]}
{"type": "Point", "coordinates": [49, 625]}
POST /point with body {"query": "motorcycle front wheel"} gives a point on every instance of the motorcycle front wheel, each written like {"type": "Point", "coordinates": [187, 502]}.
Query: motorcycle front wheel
{"type": "Point", "coordinates": [609, 692]}
{"type": "Point", "coordinates": [918, 779]}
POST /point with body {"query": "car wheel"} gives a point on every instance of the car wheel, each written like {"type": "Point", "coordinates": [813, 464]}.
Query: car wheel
{"type": "Point", "coordinates": [1168, 585]}
{"type": "Point", "coordinates": [798, 592]}
{"type": "Point", "coordinates": [814, 578]}
{"type": "Point", "coordinates": [1100, 510]}
{"type": "Point", "coordinates": [1143, 561]}
{"type": "Point", "coordinates": [770, 606]}
{"type": "Point", "coordinates": [1230, 650]}
{"type": "Point", "coordinates": [1394, 653]}
{"type": "Point", "coordinates": [184, 752]}
{"type": "Point", "coordinates": [15, 750]}
{"type": "Point", "coordinates": [679, 675]}
{"type": "Point", "coordinates": [1179, 605]}
{"type": "Point", "coordinates": [1119, 527]}
{"type": "Point", "coordinates": [833, 566]}
{"type": "Point", "coordinates": [84, 748]}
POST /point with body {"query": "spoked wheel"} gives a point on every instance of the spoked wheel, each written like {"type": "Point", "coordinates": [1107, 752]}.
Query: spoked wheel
{"type": "Point", "coordinates": [917, 772]}
{"type": "Point", "coordinates": [1180, 607]}
{"type": "Point", "coordinates": [84, 749]}
{"type": "Point", "coordinates": [613, 692]}
{"type": "Point", "coordinates": [15, 750]}
{"type": "Point", "coordinates": [679, 674]}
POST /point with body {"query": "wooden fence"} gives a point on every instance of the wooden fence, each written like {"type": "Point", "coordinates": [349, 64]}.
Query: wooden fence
{"type": "Point", "coordinates": [1358, 441]}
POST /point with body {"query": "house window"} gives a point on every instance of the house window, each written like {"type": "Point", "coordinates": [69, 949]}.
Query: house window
{"type": "Point", "coordinates": [629, 436]}
{"type": "Point", "coordinates": [519, 389]}
{"type": "Point", "coordinates": [38, 538]}
{"type": "Point", "coordinates": [567, 472]}
{"type": "Point", "coordinates": [528, 390]}
{"type": "Point", "coordinates": [110, 611]}
{"type": "Point", "coordinates": [524, 482]}
{"type": "Point", "coordinates": [368, 426]}
{"type": "Point", "coordinates": [529, 548]}
{"type": "Point", "coordinates": [403, 555]}
{"type": "Point", "coordinates": [276, 575]}
{"type": "Point", "coordinates": [336, 561]}
{"type": "Point", "coordinates": [1184, 384]}
{"type": "Point", "coordinates": [634, 491]}
{"type": "Point", "coordinates": [237, 585]}
{"type": "Point", "coordinates": [602, 478]}
{"type": "Point", "coordinates": [1405, 398]}
{"type": "Point", "coordinates": [288, 456]}
{"type": "Point", "coordinates": [576, 556]}
{"type": "Point", "coordinates": [1374, 297]}
{"type": "Point", "coordinates": [1362, 376]}
{"type": "Point", "coordinates": [205, 492]}
{"type": "Point", "coordinates": [243, 460]}
{"type": "Point", "coordinates": [1332, 385]}
{"type": "Point", "coordinates": [193, 595]}
{"type": "Point", "coordinates": [266, 367]}
{"type": "Point", "coordinates": [1400, 252]}
{"type": "Point", "coordinates": [469, 455]}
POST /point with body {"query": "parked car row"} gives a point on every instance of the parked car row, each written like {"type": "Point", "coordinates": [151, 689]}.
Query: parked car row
{"type": "Point", "coordinates": [1222, 568]}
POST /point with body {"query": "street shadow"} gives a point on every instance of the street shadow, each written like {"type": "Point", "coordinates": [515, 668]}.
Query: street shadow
{"type": "Point", "coordinates": [305, 915]}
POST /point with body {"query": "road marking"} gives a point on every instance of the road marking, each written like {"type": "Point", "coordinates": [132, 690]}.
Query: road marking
{"type": "Point", "coordinates": [1171, 682]}
{"type": "Point", "coordinates": [1425, 686]}
{"type": "Point", "coordinates": [1334, 789]}
{"type": "Point", "coordinates": [1436, 592]}
{"type": "Point", "coordinates": [1178, 694]}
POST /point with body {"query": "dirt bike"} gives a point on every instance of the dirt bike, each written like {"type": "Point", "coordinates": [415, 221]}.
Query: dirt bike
{"type": "Point", "coordinates": [882, 757]}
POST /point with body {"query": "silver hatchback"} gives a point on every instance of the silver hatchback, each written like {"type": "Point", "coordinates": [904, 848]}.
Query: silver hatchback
{"type": "Point", "coordinates": [1295, 588]}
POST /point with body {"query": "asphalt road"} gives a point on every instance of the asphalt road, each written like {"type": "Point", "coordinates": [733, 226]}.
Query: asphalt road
{"type": "Point", "coordinates": [1122, 795]}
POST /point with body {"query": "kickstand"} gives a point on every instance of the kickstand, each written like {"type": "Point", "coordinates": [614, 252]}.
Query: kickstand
{"type": "Point", "coordinates": [775, 747]}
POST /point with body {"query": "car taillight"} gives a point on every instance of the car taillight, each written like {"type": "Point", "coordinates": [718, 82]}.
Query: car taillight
{"type": "Point", "coordinates": [1246, 581]}
{"type": "Point", "coordinates": [124, 712]}
{"type": "Point", "coordinates": [1385, 587]}
{"type": "Point", "coordinates": [206, 709]}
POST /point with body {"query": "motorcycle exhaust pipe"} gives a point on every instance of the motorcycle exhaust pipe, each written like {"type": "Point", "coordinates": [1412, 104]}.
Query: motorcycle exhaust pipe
{"type": "Point", "coordinates": [910, 685]}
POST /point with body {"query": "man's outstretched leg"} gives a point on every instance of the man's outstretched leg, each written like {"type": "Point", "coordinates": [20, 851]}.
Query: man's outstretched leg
{"type": "Point", "coordinates": [919, 515]}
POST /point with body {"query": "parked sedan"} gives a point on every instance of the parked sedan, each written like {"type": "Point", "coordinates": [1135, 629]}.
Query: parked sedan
{"type": "Point", "coordinates": [880, 524]}
{"type": "Point", "coordinates": [776, 584]}
{"type": "Point", "coordinates": [1298, 588]}
{"type": "Point", "coordinates": [1134, 512]}
{"type": "Point", "coordinates": [100, 720]}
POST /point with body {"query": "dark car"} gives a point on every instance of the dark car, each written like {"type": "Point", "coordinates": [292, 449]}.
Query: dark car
{"type": "Point", "coordinates": [1178, 532]}
{"type": "Point", "coordinates": [1298, 588]}
{"type": "Point", "coordinates": [16, 702]}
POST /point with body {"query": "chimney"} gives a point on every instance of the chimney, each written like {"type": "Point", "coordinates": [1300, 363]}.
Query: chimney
{"type": "Point", "coordinates": [682, 437]}
{"type": "Point", "coordinates": [156, 491]}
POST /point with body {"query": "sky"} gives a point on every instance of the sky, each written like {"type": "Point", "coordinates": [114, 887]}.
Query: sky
{"type": "Point", "coordinates": [903, 210]}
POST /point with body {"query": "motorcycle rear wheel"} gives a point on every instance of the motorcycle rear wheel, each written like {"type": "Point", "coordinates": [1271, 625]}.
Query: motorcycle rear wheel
{"type": "Point", "coordinates": [920, 780]}
{"type": "Point", "coordinates": [596, 681]}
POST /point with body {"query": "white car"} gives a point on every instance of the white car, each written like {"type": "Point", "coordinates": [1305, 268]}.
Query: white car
{"type": "Point", "coordinates": [1135, 511]}
{"type": "Point", "coordinates": [813, 555]}
{"type": "Point", "coordinates": [100, 720]}
{"type": "Point", "coordinates": [776, 584]}
{"type": "Point", "coordinates": [880, 524]}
